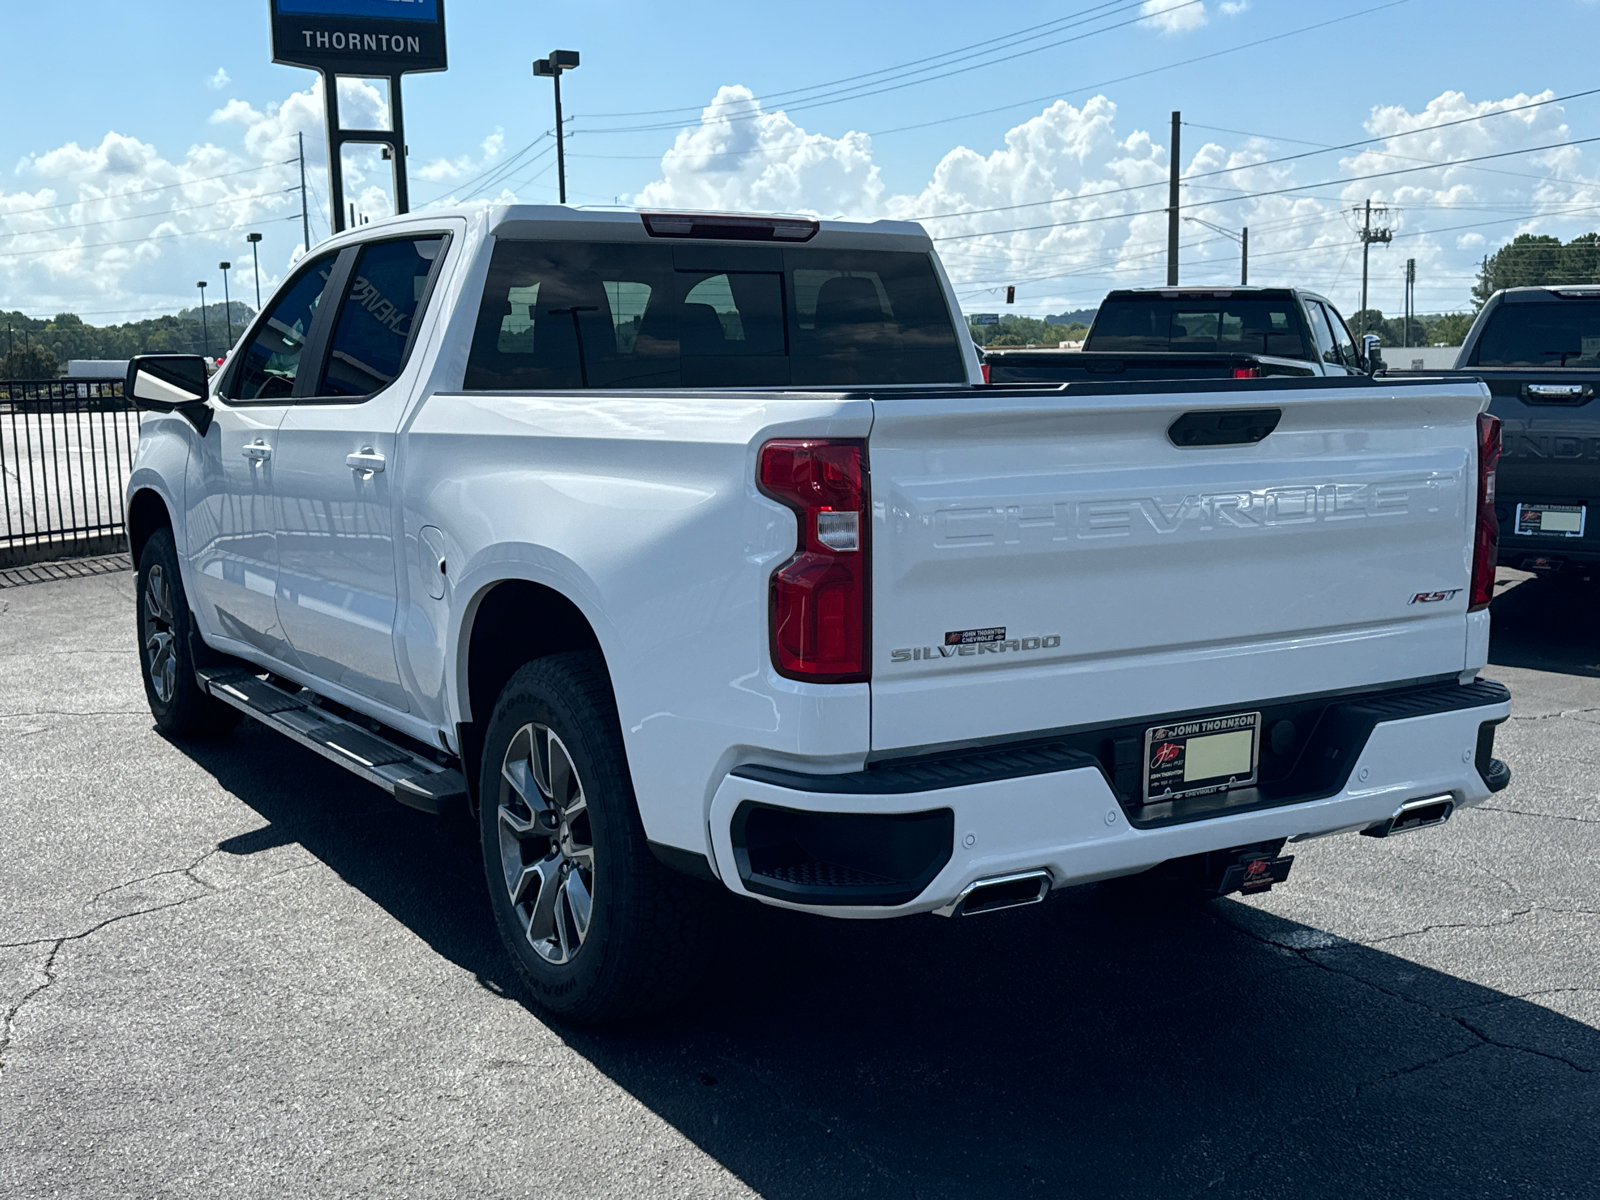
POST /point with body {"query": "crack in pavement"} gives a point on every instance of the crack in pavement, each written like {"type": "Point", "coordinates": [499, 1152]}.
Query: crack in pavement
{"type": "Point", "coordinates": [1516, 915]}
{"type": "Point", "coordinates": [1483, 1039]}
{"type": "Point", "coordinates": [1565, 712]}
{"type": "Point", "coordinates": [56, 712]}
{"type": "Point", "coordinates": [1519, 812]}
{"type": "Point", "coordinates": [1355, 1094]}
{"type": "Point", "coordinates": [188, 871]}
{"type": "Point", "coordinates": [8, 1027]}
{"type": "Point", "coordinates": [1554, 991]}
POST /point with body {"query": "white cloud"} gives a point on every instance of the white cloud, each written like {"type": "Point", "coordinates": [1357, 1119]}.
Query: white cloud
{"type": "Point", "coordinates": [118, 225]}
{"type": "Point", "coordinates": [1079, 233]}
{"type": "Point", "coordinates": [118, 229]}
{"type": "Point", "coordinates": [740, 157]}
{"type": "Point", "coordinates": [1174, 16]}
{"type": "Point", "coordinates": [441, 169]}
{"type": "Point", "coordinates": [1232, 8]}
{"type": "Point", "coordinates": [220, 80]}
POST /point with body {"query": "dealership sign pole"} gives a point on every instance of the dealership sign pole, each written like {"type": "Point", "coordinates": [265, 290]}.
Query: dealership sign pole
{"type": "Point", "coordinates": [368, 39]}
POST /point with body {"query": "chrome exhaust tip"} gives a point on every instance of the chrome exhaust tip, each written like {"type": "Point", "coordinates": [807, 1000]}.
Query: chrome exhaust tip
{"type": "Point", "coordinates": [997, 892]}
{"type": "Point", "coordinates": [1415, 814]}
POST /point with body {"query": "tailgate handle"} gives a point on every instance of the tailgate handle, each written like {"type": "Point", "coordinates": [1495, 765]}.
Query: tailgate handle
{"type": "Point", "coordinates": [1224, 427]}
{"type": "Point", "coordinates": [1556, 393]}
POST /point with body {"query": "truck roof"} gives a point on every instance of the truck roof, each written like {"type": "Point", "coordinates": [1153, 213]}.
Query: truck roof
{"type": "Point", "coordinates": [611, 224]}
{"type": "Point", "coordinates": [1205, 293]}
{"type": "Point", "coordinates": [1571, 291]}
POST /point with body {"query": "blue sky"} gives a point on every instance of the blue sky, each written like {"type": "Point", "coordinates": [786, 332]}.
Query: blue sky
{"type": "Point", "coordinates": [192, 96]}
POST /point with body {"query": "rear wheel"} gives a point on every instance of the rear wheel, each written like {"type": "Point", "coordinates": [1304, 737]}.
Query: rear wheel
{"type": "Point", "coordinates": [598, 929]}
{"type": "Point", "coordinates": [169, 645]}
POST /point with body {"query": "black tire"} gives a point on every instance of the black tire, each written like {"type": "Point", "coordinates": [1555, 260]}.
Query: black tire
{"type": "Point", "coordinates": [170, 648]}
{"type": "Point", "coordinates": [640, 948]}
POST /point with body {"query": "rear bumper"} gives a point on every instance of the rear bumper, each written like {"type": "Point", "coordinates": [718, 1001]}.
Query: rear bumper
{"type": "Point", "coordinates": [1071, 823]}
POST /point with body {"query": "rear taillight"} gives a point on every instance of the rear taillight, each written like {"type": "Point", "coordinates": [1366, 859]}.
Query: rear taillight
{"type": "Point", "coordinates": [1486, 537]}
{"type": "Point", "coordinates": [985, 369]}
{"type": "Point", "coordinates": [819, 597]}
{"type": "Point", "coordinates": [1247, 372]}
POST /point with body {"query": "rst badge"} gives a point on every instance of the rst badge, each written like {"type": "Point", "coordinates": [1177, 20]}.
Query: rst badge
{"type": "Point", "coordinates": [1435, 597]}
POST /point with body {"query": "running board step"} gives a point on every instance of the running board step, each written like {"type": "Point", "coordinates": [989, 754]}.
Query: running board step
{"type": "Point", "coordinates": [415, 781]}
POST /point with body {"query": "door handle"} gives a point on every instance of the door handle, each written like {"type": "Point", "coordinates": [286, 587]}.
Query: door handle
{"type": "Point", "coordinates": [366, 462]}
{"type": "Point", "coordinates": [257, 451]}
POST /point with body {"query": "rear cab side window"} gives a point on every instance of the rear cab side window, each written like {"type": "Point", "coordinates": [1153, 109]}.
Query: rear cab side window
{"type": "Point", "coordinates": [564, 315]}
{"type": "Point", "coordinates": [1341, 338]}
{"type": "Point", "coordinates": [1327, 348]}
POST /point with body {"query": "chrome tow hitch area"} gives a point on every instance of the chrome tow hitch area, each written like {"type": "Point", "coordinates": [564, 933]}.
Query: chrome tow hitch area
{"type": "Point", "coordinates": [997, 892]}
{"type": "Point", "coordinates": [1423, 813]}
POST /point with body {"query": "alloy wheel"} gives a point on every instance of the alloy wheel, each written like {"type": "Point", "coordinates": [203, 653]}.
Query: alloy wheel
{"type": "Point", "coordinates": [160, 635]}
{"type": "Point", "coordinates": [546, 848]}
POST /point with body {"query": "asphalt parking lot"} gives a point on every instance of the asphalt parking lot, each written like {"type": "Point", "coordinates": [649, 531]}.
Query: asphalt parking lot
{"type": "Point", "coordinates": [230, 969]}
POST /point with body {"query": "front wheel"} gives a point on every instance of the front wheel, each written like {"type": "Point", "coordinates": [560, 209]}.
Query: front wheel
{"type": "Point", "coordinates": [168, 643]}
{"type": "Point", "coordinates": [597, 927]}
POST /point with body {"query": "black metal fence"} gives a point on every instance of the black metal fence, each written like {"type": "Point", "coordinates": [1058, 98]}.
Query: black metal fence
{"type": "Point", "coordinates": [66, 448]}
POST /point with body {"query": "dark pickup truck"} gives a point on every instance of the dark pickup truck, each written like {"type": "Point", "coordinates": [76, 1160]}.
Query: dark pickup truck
{"type": "Point", "coordinates": [1538, 349]}
{"type": "Point", "coordinates": [1194, 333]}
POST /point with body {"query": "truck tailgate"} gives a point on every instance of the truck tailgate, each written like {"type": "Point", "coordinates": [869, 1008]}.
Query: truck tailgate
{"type": "Point", "coordinates": [1053, 560]}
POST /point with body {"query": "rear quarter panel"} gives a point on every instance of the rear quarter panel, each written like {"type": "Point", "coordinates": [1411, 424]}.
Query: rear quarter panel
{"type": "Point", "coordinates": [643, 511]}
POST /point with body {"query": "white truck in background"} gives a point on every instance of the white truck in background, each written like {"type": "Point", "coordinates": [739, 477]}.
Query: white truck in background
{"type": "Point", "coordinates": [689, 551]}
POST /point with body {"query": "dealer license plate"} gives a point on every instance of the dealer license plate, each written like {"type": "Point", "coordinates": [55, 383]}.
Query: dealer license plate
{"type": "Point", "coordinates": [1207, 754]}
{"type": "Point", "coordinates": [1550, 520]}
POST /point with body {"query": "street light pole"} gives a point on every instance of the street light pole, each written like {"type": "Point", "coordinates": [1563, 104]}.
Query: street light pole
{"type": "Point", "coordinates": [255, 261]}
{"type": "Point", "coordinates": [551, 68]}
{"type": "Point", "coordinates": [1242, 237]}
{"type": "Point", "coordinates": [205, 334]}
{"type": "Point", "coordinates": [227, 300]}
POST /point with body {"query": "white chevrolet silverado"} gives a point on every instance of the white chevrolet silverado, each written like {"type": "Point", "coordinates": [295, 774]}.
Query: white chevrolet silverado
{"type": "Point", "coordinates": [689, 550]}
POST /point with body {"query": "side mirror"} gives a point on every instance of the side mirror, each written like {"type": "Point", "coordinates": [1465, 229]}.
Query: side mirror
{"type": "Point", "coordinates": [170, 383]}
{"type": "Point", "coordinates": [1370, 355]}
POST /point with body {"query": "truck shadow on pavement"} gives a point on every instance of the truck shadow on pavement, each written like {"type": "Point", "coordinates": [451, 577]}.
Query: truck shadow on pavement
{"type": "Point", "coordinates": [1093, 1045]}
{"type": "Point", "coordinates": [1547, 625]}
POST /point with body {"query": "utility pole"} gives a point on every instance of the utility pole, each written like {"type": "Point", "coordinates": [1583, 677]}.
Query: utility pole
{"type": "Point", "coordinates": [227, 301]}
{"type": "Point", "coordinates": [1368, 236]}
{"type": "Point", "coordinates": [205, 334]}
{"type": "Point", "coordinates": [305, 212]}
{"type": "Point", "coordinates": [551, 68]}
{"type": "Point", "coordinates": [255, 240]}
{"type": "Point", "coordinates": [1411, 297]}
{"type": "Point", "coordinates": [1172, 204]}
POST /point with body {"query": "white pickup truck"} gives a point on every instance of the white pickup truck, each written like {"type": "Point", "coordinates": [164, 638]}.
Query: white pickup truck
{"type": "Point", "coordinates": [690, 549]}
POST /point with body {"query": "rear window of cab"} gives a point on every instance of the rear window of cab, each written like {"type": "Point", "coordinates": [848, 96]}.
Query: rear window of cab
{"type": "Point", "coordinates": [566, 315]}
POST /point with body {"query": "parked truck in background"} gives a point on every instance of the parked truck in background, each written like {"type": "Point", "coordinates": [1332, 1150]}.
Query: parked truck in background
{"type": "Point", "coordinates": [1538, 350]}
{"type": "Point", "coordinates": [1196, 333]}
{"type": "Point", "coordinates": [688, 552]}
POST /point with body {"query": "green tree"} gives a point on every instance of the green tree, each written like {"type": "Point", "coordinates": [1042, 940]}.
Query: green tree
{"type": "Point", "coordinates": [1449, 330]}
{"type": "Point", "coordinates": [28, 360]}
{"type": "Point", "coordinates": [1535, 259]}
{"type": "Point", "coordinates": [1026, 331]}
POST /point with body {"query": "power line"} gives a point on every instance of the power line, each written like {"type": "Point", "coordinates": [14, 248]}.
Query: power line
{"type": "Point", "coordinates": [863, 93]}
{"type": "Point", "coordinates": [1185, 62]}
{"type": "Point", "coordinates": [1283, 191]}
{"type": "Point", "coordinates": [165, 212]}
{"type": "Point", "coordinates": [948, 54]}
{"type": "Point", "coordinates": [1264, 163]}
{"type": "Point", "coordinates": [157, 237]}
{"type": "Point", "coordinates": [166, 187]}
